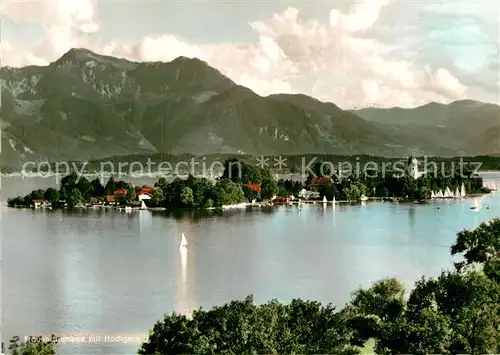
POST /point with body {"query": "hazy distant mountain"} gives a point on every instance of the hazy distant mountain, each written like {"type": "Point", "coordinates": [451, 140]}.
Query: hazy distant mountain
{"type": "Point", "coordinates": [466, 126]}
{"type": "Point", "coordinates": [486, 143]}
{"type": "Point", "coordinates": [89, 106]}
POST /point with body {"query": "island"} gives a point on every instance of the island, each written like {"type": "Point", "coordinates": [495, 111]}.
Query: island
{"type": "Point", "coordinates": [242, 185]}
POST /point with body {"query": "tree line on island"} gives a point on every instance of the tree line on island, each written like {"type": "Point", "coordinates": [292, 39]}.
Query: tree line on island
{"type": "Point", "coordinates": [457, 312]}
{"type": "Point", "coordinates": [241, 182]}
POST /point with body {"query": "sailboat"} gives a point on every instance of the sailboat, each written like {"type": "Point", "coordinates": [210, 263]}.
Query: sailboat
{"type": "Point", "coordinates": [143, 205]}
{"type": "Point", "coordinates": [184, 242]}
{"type": "Point", "coordinates": [324, 199]}
{"type": "Point", "coordinates": [364, 198]}
{"type": "Point", "coordinates": [448, 193]}
{"type": "Point", "coordinates": [462, 191]}
{"type": "Point", "coordinates": [333, 201]}
{"type": "Point", "coordinates": [433, 194]}
{"type": "Point", "coordinates": [457, 193]}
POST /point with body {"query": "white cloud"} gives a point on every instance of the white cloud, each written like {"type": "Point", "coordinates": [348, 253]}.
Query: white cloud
{"type": "Point", "coordinates": [291, 52]}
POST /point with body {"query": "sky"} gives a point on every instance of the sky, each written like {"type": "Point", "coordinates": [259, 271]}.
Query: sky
{"type": "Point", "coordinates": [371, 53]}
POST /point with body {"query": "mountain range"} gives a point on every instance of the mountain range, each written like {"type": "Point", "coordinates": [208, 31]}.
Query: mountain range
{"type": "Point", "coordinates": [88, 106]}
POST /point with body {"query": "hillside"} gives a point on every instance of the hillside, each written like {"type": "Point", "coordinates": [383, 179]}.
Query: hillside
{"type": "Point", "coordinates": [466, 126]}
{"type": "Point", "coordinates": [87, 106]}
{"type": "Point", "coordinates": [486, 143]}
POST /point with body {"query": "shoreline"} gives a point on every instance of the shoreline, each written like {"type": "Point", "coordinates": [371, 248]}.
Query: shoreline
{"type": "Point", "coordinates": [250, 205]}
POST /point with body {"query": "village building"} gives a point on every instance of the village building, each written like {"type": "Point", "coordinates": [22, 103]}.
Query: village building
{"type": "Point", "coordinates": [318, 183]}
{"type": "Point", "coordinates": [38, 203]}
{"type": "Point", "coordinates": [143, 196]}
{"type": "Point", "coordinates": [111, 199]}
{"type": "Point", "coordinates": [253, 187]}
{"type": "Point", "coordinates": [145, 193]}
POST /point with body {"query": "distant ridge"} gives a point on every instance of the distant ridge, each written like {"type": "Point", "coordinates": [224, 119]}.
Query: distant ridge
{"type": "Point", "coordinates": [88, 106]}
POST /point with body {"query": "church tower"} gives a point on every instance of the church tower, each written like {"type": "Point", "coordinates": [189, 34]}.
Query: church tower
{"type": "Point", "coordinates": [413, 167]}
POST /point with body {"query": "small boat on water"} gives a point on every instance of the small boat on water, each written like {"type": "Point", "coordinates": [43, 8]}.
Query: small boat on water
{"type": "Point", "coordinates": [333, 201]}
{"type": "Point", "coordinates": [457, 193]}
{"type": "Point", "coordinates": [433, 194]}
{"type": "Point", "coordinates": [477, 204]}
{"type": "Point", "coordinates": [462, 191]}
{"type": "Point", "coordinates": [325, 200]}
{"type": "Point", "coordinates": [184, 242]}
{"type": "Point", "coordinates": [364, 198]}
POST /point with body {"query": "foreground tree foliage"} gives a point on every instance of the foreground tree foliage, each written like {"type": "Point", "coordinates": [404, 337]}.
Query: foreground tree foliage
{"type": "Point", "coordinates": [455, 313]}
{"type": "Point", "coordinates": [241, 327]}
{"type": "Point", "coordinates": [16, 347]}
{"type": "Point", "coordinates": [480, 246]}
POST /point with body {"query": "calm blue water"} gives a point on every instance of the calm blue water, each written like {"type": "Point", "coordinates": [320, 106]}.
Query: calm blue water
{"type": "Point", "coordinates": [113, 273]}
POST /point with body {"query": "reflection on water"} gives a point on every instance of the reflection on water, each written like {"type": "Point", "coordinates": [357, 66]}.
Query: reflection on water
{"type": "Point", "coordinates": [411, 218]}
{"type": "Point", "coordinates": [185, 298]}
{"type": "Point", "coordinates": [182, 293]}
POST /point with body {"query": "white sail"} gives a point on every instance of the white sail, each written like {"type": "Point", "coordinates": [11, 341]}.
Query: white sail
{"type": "Point", "coordinates": [364, 198]}
{"type": "Point", "coordinates": [333, 201]}
{"type": "Point", "coordinates": [440, 194]}
{"type": "Point", "coordinates": [143, 205]}
{"type": "Point", "coordinates": [324, 199]}
{"type": "Point", "coordinates": [433, 194]}
{"type": "Point", "coordinates": [457, 193]}
{"type": "Point", "coordinates": [448, 193]}
{"type": "Point", "coordinates": [184, 242]}
{"type": "Point", "coordinates": [462, 191]}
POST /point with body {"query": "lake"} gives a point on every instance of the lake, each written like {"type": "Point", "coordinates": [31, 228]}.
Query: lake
{"type": "Point", "coordinates": [113, 274]}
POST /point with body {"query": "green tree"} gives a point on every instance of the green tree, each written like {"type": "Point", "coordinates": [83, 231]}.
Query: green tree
{"type": "Point", "coordinates": [16, 201]}
{"type": "Point", "coordinates": [227, 192]}
{"type": "Point", "coordinates": [37, 194]}
{"type": "Point", "coordinates": [96, 189]}
{"type": "Point", "coordinates": [424, 193]}
{"type": "Point", "coordinates": [162, 183]}
{"type": "Point", "coordinates": [69, 182]}
{"type": "Point", "coordinates": [352, 193]}
{"type": "Point", "coordinates": [37, 347]}
{"type": "Point", "coordinates": [481, 245]}
{"type": "Point", "coordinates": [241, 327]}
{"type": "Point", "coordinates": [84, 186]}
{"type": "Point", "coordinates": [468, 304]}
{"type": "Point", "coordinates": [186, 196]}
{"type": "Point", "coordinates": [111, 186]}
{"type": "Point", "coordinates": [157, 194]}
{"type": "Point", "coordinates": [51, 195]}
{"type": "Point", "coordinates": [269, 189]}
{"type": "Point", "coordinates": [74, 197]}
{"type": "Point", "coordinates": [130, 195]}
{"type": "Point", "coordinates": [209, 203]}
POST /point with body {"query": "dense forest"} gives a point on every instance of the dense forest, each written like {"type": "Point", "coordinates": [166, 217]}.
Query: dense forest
{"type": "Point", "coordinates": [457, 312]}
